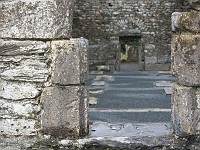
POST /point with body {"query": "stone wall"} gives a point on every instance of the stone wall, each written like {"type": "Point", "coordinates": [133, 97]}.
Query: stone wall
{"type": "Point", "coordinates": [103, 22]}
{"type": "Point", "coordinates": [42, 73]}
{"type": "Point", "coordinates": [185, 65]}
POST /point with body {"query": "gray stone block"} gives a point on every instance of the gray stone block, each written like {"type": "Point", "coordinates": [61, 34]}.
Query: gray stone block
{"type": "Point", "coordinates": [69, 61]}
{"type": "Point", "coordinates": [184, 110]}
{"type": "Point", "coordinates": [186, 21]}
{"type": "Point", "coordinates": [185, 59]}
{"type": "Point", "coordinates": [64, 110]}
{"type": "Point", "coordinates": [36, 19]}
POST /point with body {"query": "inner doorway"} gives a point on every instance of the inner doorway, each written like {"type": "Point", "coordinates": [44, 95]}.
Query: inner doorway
{"type": "Point", "coordinates": [130, 49]}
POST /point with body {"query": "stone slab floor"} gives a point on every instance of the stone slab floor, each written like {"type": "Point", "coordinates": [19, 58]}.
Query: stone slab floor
{"type": "Point", "coordinates": [130, 103]}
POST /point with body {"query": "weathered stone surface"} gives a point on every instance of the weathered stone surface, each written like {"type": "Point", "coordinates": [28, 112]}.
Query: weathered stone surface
{"type": "Point", "coordinates": [164, 83]}
{"type": "Point", "coordinates": [62, 107]}
{"type": "Point", "coordinates": [198, 97]}
{"type": "Point", "coordinates": [103, 78]}
{"type": "Point", "coordinates": [186, 21]}
{"type": "Point", "coordinates": [164, 72]}
{"type": "Point", "coordinates": [18, 91]}
{"type": "Point", "coordinates": [14, 47]}
{"type": "Point", "coordinates": [84, 58]}
{"type": "Point", "coordinates": [151, 60]}
{"type": "Point", "coordinates": [11, 62]}
{"type": "Point", "coordinates": [168, 90]}
{"type": "Point", "coordinates": [24, 60]}
{"type": "Point", "coordinates": [98, 83]}
{"type": "Point", "coordinates": [17, 142]}
{"type": "Point", "coordinates": [103, 68]}
{"type": "Point", "coordinates": [103, 56]}
{"type": "Point", "coordinates": [18, 127]}
{"type": "Point", "coordinates": [26, 73]}
{"type": "Point", "coordinates": [96, 90]}
{"type": "Point", "coordinates": [175, 20]}
{"type": "Point", "coordinates": [184, 110]}
{"type": "Point", "coordinates": [185, 59]}
{"type": "Point", "coordinates": [158, 67]}
{"type": "Point", "coordinates": [198, 109]}
{"type": "Point", "coordinates": [18, 109]}
{"type": "Point", "coordinates": [35, 19]}
{"type": "Point", "coordinates": [83, 111]}
{"type": "Point", "coordinates": [194, 3]}
{"type": "Point", "coordinates": [93, 100]}
{"type": "Point", "coordinates": [96, 72]}
{"type": "Point", "coordinates": [69, 61]}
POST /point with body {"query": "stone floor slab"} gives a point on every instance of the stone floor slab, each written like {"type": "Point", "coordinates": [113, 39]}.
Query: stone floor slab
{"type": "Point", "coordinates": [163, 83]}
{"type": "Point", "coordinates": [165, 72]}
{"type": "Point", "coordinates": [101, 129]}
{"type": "Point", "coordinates": [96, 72]}
{"type": "Point", "coordinates": [168, 90]}
{"type": "Point", "coordinates": [103, 78]}
{"type": "Point", "coordinates": [96, 91]}
{"type": "Point", "coordinates": [98, 83]}
{"type": "Point", "coordinates": [93, 100]}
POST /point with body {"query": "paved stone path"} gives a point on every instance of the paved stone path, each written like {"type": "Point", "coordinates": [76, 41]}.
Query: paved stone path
{"type": "Point", "coordinates": [130, 97]}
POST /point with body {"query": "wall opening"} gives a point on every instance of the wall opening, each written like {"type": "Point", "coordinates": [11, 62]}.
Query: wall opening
{"type": "Point", "coordinates": [131, 51]}
{"type": "Point", "coordinates": [130, 102]}
{"type": "Point", "coordinates": [130, 47]}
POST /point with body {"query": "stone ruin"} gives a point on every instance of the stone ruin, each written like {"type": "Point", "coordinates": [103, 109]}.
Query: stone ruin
{"type": "Point", "coordinates": [43, 69]}
{"type": "Point", "coordinates": [139, 27]}
{"type": "Point", "coordinates": [186, 68]}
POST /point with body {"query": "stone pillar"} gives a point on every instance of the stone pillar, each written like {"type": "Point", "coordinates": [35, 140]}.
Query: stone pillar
{"type": "Point", "coordinates": [64, 99]}
{"type": "Point", "coordinates": [42, 72]}
{"type": "Point", "coordinates": [186, 68]}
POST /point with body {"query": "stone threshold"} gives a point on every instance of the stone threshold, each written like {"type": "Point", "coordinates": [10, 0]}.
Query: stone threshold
{"type": "Point", "coordinates": [165, 142]}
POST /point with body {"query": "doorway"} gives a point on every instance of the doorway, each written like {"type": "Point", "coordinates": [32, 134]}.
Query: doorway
{"type": "Point", "coordinates": [129, 49]}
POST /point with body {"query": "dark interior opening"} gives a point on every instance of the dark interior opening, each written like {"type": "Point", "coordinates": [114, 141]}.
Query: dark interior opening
{"type": "Point", "coordinates": [130, 49]}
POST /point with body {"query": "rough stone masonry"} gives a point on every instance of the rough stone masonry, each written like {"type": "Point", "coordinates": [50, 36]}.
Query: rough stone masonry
{"type": "Point", "coordinates": [105, 22]}
{"type": "Point", "coordinates": [42, 73]}
{"type": "Point", "coordinates": [43, 70]}
{"type": "Point", "coordinates": [186, 67]}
